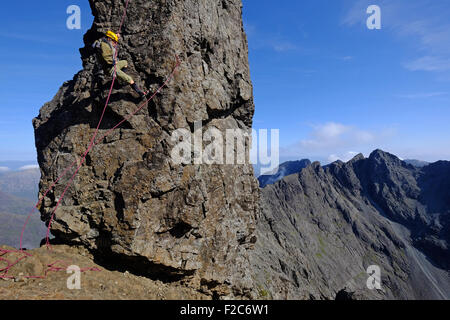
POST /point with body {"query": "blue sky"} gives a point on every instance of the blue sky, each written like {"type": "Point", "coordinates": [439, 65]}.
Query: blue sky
{"type": "Point", "coordinates": [332, 86]}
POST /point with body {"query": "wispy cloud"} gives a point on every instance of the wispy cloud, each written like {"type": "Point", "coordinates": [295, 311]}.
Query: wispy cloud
{"type": "Point", "coordinates": [429, 63]}
{"type": "Point", "coordinates": [281, 46]}
{"type": "Point", "coordinates": [29, 38]}
{"type": "Point", "coordinates": [4, 169]}
{"type": "Point", "coordinates": [347, 156]}
{"type": "Point", "coordinates": [29, 167]}
{"type": "Point", "coordinates": [335, 134]}
{"type": "Point", "coordinates": [424, 24]}
{"type": "Point", "coordinates": [332, 141]}
{"type": "Point", "coordinates": [249, 28]}
{"type": "Point", "coordinates": [346, 58]}
{"type": "Point", "coordinates": [422, 95]}
{"type": "Point", "coordinates": [277, 42]}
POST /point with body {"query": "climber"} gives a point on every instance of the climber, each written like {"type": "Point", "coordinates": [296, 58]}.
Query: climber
{"type": "Point", "coordinates": [106, 48]}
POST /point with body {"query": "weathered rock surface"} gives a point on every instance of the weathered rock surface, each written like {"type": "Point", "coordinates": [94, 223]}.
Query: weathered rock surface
{"type": "Point", "coordinates": [129, 204]}
{"type": "Point", "coordinates": [323, 227]}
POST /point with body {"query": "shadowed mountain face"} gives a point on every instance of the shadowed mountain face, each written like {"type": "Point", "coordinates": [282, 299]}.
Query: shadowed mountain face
{"type": "Point", "coordinates": [323, 227]}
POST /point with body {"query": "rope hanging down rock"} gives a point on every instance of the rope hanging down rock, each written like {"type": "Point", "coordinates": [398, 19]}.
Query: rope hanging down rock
{"type": "Point", "coordinates": [92, 143]}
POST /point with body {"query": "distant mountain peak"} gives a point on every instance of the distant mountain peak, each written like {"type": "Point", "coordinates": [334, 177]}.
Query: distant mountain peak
{"type": "Point", "coordinates": [285, 169]}
{"type": "Point", "coordinates": [358, 157]}
{"type": "Point", "coordinates": [378, 153]}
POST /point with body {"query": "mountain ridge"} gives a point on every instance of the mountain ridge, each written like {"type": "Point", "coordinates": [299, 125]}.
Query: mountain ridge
{"type": "Point", "coordinates": [333, 222]}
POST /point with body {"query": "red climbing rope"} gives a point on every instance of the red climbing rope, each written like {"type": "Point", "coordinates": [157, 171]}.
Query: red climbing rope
{"type": "Point", "coordinates": [98, 126]}
{"type": "Point", "coordinates": [92, 143]}
{"type": "Point", "coordinates": [51, 267]}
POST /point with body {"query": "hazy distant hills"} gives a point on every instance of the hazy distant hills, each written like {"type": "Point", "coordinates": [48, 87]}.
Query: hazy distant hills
{"type": "Point", "coordinates": [18, 195]}
{"type": "Point", "coordinates": [14, 205]}
{"type": "Point", "coordinates": [23, 183]}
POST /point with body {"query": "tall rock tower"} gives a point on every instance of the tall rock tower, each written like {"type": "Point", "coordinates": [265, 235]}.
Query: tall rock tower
{"type": "Point", "coordinates": [130, 204]}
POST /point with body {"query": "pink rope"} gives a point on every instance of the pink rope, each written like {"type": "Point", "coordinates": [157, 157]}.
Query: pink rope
{"type": "Point", "coordinates": [50, 267]}
{"type": "Point", "coordinates": [92, 143]}
{"type": "Point", "coordinates": [85, 154]}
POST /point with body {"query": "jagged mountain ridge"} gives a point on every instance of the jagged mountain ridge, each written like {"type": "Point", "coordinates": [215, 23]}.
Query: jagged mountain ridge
{"type": "Point", "coordinates": [321, 229]}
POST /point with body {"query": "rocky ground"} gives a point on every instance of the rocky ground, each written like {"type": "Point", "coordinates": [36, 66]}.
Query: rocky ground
{"type": "Point", "coordinates": [95, 285]}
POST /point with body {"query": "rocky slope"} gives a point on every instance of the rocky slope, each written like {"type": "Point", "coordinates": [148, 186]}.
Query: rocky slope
{"type": "Point", "coordinates": [322, 228]}
{"type": "Point", "coordinates": [129, 204]}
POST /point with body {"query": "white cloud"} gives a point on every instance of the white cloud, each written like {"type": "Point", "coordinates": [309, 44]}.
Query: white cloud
{"type": "Point", "coordinates": [429, 63]}
{"type": "Point", "coordinates": [29, 167]}
{"type": "Point", "coordinates": [347, 156]}
{"type": "Point", "coordinates": [4, 169]}
{"type": "Point", "coordinates": [355, 15]}
{"type": "Point", "coordinates": [250, 29]}
{"type": "Point", "coordinates": [334, 134]}
{"type": "Point", "coordinates": [422, 95]}
{"type": "Point", "coordinates": [423, 24]}
{"type": "Point", "coordinates": [332, 141]}
{"type": "Point", "coordinates": [277, 42]}
{"type": "Point", "coordinates": [283, 46]}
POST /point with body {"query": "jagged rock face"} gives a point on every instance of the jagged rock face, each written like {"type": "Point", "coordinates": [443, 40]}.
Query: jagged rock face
{"type": "Point", "coordinates": [129, 203]}
{"type": "Point", "coordinates": [323, 227]}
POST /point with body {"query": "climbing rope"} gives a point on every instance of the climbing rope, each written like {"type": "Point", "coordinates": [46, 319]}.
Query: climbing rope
{"type": "Point", "coordinates": [51, 267]}
{"type": "Point", "coordinates": [93, 142]}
